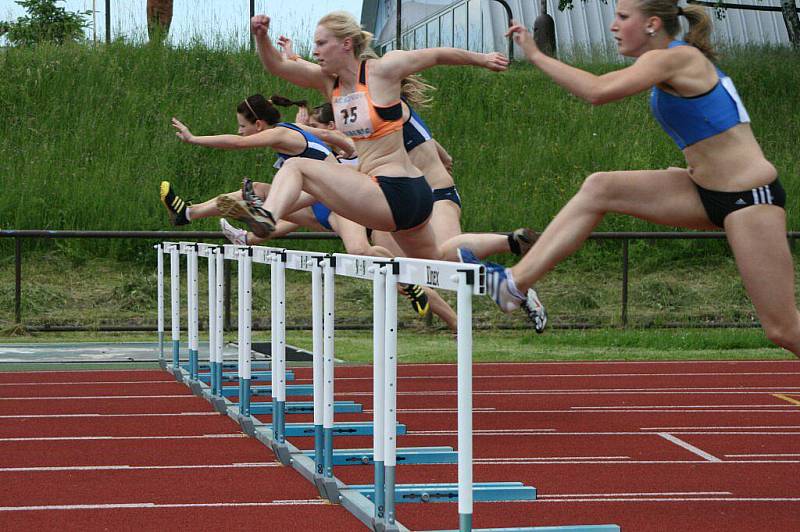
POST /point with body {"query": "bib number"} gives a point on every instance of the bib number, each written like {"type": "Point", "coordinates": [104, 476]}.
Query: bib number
{"type": "Point", "coordinates": [351, 113]}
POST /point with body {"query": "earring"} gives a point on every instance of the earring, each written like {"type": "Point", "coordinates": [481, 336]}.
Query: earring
{"type": "Point", "coordinates": [651, 33]}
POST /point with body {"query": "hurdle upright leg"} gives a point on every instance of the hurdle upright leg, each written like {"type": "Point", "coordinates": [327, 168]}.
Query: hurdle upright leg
{"type": "Point", "coordinates": [193, 315]}
{"type": "Point", "coordinates": [317, 369]}
{"type": "Point", "coordinates": [160, 293]}
{"type": "Point", "coordinates": [329, 482]}
{"type": "Point", "coordinates": [278, 344]}
{"type": "Point", "coordinates": [378, 369]}
{"type": "Point", "coordinates": [175, 303]}
{"type": "Point", "coordinates": [212, 315]}
{"type": "Point", "coordinates": [390, 391]}
{"type": "Point", "coordinates": [464, 387]}
{"type": "Point", "coordinates": [219, 322]}
{"type": "Point", "coordinates": [245, 324]}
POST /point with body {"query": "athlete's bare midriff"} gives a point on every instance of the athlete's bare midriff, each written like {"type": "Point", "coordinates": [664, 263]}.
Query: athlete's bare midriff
{"type": "Point", "coordinates": [729, 162]}
{"type": "Point", "coordinates": [385, 157]}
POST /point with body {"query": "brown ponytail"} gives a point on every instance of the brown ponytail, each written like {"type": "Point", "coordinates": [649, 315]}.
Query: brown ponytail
{"type": "Point", "coordinates": [256, 107]}
{"type": "Point", "coordinates": [277, 99]}
{"type": "Point", "coordinates": [699, 34]}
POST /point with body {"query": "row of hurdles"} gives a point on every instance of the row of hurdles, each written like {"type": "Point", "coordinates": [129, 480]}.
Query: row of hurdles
{"type": "Point", "coordinates": [220, 382]}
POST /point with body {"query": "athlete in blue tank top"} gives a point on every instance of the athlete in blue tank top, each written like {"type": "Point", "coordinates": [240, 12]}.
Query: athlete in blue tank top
{"type": "Point", "coordinates": [727, 183]}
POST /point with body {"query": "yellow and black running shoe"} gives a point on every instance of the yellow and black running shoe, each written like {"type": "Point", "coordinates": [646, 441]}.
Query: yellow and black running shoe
{"type": "Point", "coordinates": [418, 298]}
{"type": "Point", "coordinates": [176, 207]}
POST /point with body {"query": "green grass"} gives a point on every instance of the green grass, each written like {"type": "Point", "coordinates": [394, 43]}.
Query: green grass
{"type": "Point", "coordinates": [87, 136]}
{"type": "Point", "coordinates": [86, 140]}
{"type": "Point", "coordinates": [496, 346]}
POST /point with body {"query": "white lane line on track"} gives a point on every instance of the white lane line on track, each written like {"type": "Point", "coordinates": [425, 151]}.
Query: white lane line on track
{"type": "Point", "coordinates": [763, 455]}
{"type": "Point", "coordinates": [492, 432]}
{"type": "Point", "coordinates": [51, 469]}
{"type": "Point", "coordinates": [535, 459]}
{"type": "Point", "coordinates": [642, 462]}
{"type": "Point", "coordinates": [790, 408]}
{"type": "Point", "coordinates": [604, 391]}
{"type": "Point", "coordinates": [656, 494]}
{"type": "Point", "coordinates": [689, 447]}
{"type": "Point", "coordinates": [86, 438]}
{"type": "Point", "coordinates": [772, 427]}
{"type": "Point", "coordinates": [72, 383]}
{"type": "Point", "coordinates": [46, 416]}
{"type": "Point", "coordinates": [145, 505]}
{"type": "Point", "coordinates": [554, 432]}
{"type": "Point", "coordinates": [592, 375]}
{"type": "Point", "coordinates": [73, 398]}
{"type": "Point", "coordinates": [672, 499]}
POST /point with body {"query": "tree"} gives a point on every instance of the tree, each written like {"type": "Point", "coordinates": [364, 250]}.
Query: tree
{"type": "Point", "coordinates": [45, 22]}
{"type": "Point", "coordinates": [159, 17]}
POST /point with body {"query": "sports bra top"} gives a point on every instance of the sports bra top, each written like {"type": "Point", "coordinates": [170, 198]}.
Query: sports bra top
{"type": "Point", "coordinates": [691, 119]}
{"type": "Point", "coordinates": [358, 117]}
{"type": "Point", "coordinates": [315, 148]}
{"type": "Point", "coordinates": [415, 131]}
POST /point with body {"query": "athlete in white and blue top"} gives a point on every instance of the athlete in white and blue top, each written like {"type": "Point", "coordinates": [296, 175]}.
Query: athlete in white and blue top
{"type": "Point", "coordinates": [259, 127]}
{"type": "Point", "coordinates": [727, 182]}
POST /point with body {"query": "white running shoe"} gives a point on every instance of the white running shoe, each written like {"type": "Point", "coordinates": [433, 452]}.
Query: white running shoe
{"type": "Point", "coordinates": [233, 234]}
{"type": "Point", "coordinates": [535, 310]}
{"type": "Point", "coordinates": [496, 281]}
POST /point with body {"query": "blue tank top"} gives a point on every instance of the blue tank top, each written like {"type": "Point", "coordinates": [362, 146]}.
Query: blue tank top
{"type": "Point", "coordinates": [415, 132]}
{"type": "Point", "coordinates": [690, 120]}
{"type": "Point", "coordinates": [315, 148]}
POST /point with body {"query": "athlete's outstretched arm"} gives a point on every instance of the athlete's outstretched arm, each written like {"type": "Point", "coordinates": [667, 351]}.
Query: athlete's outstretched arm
{"type": "Point", "coordinates": [649, 69]}
{"type": "Point", "coordinates": [270, 138]}
{"type": "Point", "coordinates": [399, 64]}
{"type": "Point", "coordinates": [300, 73]}
{"type": "Point", "coordinates": [333, 138]}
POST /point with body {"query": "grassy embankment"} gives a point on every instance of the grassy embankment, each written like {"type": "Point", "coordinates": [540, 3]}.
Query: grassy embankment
{"type": "Point", "coordinates": [87, 140]}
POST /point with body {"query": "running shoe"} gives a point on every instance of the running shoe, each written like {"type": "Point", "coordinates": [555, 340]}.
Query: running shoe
{"type": "Point", "coordinates": [535, 310]}
{"type": "Point", "coordinates": [260, 221]}
{"type": "Point", "coordinates": [496, 281]}
{"type": "Point", "coordinates": [418, 298]}
{"type": "Point", "coordinates": [524, 239]}
{"type": "Point", "coordinates": [249, 193]}
{"type": "Point", "coordinates": [233, 234]}
{"type": "Point", "coordinates": [176, 207]}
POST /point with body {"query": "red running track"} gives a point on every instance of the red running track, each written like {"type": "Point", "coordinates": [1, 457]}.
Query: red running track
{"type": "Point", "coordinates": [691, 446]}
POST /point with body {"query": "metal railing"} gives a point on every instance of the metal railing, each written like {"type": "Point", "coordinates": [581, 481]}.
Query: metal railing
{"type": "Point", "coordinates": [442, 29]}
{"type": "Point", "coordinates": [20, 235]}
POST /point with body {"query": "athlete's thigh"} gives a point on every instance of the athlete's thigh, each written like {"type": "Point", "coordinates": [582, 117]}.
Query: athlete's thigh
{"type": "Point", "coordinates": [354, 236]}
{"type": "Point", "coordinates": [757, 236]}
{"type": "Point", "coordinates": [347, 192]}
{"type": "Point", "coordinates": [386, 240]}
{"type": "Point", "coordinates": [419, 242]}
{"type": "Point", "coordinates": [305, 218]}
{"type": "Point", "coordinates": [666, 197]}
{"type": "Point", "coordinates": [445, 220]}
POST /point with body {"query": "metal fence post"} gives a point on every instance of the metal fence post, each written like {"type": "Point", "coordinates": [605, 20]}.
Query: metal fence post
{"type": "Point", "coordinates": [18, 280]}
{"type": "Point", "coordinates": [624, 315]}
{"type": "Point", "coordinates": [108, 21]}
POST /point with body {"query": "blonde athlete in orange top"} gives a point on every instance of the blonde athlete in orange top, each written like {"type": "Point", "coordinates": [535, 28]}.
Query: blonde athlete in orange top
{"type": "Point", "coordinates": [386, 192]}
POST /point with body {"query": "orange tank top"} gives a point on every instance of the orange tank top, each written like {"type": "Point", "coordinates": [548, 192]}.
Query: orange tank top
{"type": "Point", "coordinates": [358, 117]}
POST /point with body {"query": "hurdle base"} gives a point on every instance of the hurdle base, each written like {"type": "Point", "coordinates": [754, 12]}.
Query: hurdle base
{"type": "Point", "coordinates": [447, 492]}
{"type": "Point", "coordinates": [282, 452]}
{"type": "Point", "coordinates": [197, 388]}
{"type": "Point", "coordinates": [379, 525]}
{"type": "Point", "coordinates": [331, 490]}
{"type": "Point", "coordinates": [565, 528]}
{"type": "Point", "coordinates": [162, 363]}
{"type": "Point", "coordinates": [247, 424]}
{"type": "Point", "coordinates": [178, 374]}
{"type": "Point", "coordinates": [220, 405]}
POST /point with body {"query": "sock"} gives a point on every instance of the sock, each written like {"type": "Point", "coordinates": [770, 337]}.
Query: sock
{"type": "Point", "coordinates": [513, 245]}
{"type": "Point", "coordinates": [187, 215]}
{"type": "Point", "coordinates": [512, 287]}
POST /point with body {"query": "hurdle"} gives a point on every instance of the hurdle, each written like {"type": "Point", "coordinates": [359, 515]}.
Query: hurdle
{"type": "Point", "coordinates": [373, 504]}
